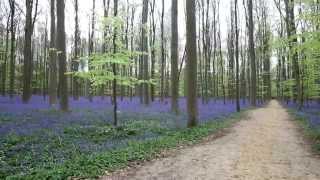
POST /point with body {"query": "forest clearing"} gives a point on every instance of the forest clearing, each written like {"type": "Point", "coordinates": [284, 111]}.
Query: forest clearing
{"type": "Point", "coordinates": [169, 89]}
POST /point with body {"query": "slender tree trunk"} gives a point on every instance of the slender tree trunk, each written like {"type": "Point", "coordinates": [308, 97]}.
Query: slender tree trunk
{"type": "Point", "coordinates": [45, 59]}
{"type": "Point", "coordinates": [75, 63]}
{"type": "Point", "coordinates": [191, 64]}
{"type": "Point", "coordinates": [4, 68]}
{"type": "Point", "coordinates": [132, 46]}
{"type": "Point", "coordinates": [114, 69]}
{"type": "Point", "coordinates": [91, 46]}
{"type": "Point", "coordinates": [106, 9]}
{"type": "Point", "coordinates": [53, 58]}
{"type": "Point", "coordinates": [144, 48]}
{"type": "Point", "coordinates": [174, 57]}
{"type": "Point", "coordinates": [61, 48]}
{"type": "Point", "coordinates": [162, 55]}
{"type": "Point", "coordinates": [28, 60]}
{"type": "Point", "coordinates": [12, 49]}
{"type": "Point", "coordinates": [237, 55]}
{"type": "Point", "coordinates": [153, 48]}
{"type": "Point", "coordinates": [291, 32]}
{"type": "Point", "coordinates": [252, 54]}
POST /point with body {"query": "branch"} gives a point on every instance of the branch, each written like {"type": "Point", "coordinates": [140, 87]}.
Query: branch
{"type": "Point", "coordinates": [279, 8]}
{"type": "Point", "coordinates": [35, 14]}
{"type": "Point", "coordinates": [182, 62]}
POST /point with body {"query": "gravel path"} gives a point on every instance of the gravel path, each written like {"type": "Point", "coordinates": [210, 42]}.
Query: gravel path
{"type": "Point", "coordinates": [266, 146]}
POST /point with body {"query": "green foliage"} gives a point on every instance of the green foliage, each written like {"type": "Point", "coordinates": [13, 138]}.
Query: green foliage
{"type": "Point", "coordinates": [98, 72]}
{"type": "Point", "coordinates": [99, 64]}
{"type": "Point", "coordinates": [103, 132]}
{"type": "Point", "coordinates": [307, 48]}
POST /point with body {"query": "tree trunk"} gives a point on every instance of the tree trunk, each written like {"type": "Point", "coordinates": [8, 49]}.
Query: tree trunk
{"type": "Point", "coordinates": [191, 64]}
{"type": "Point", "coordinates": [28, 60]}
{"type": "Point", "coordinates": [252, 54]}
{"type": "Point", "coordinates": [174, 58]}
{"type": "Point", "coordinates": [144, 48]}
{"type": "Point", "coordinates": [237, 55]}
{"type": "Point", "coordinates": [91, 47]}
{"type": "Point", "coordinates": [53, 58]}
{"type": "Point", "coordinates": [291, 32]}
{"type": "Point", "coordinates": [153, 49]}
{"type": "Point", "coordinates": [12, 49]}
{"type": "Point", "coordinates": [61, 48]}
{"type": "Point", "coordinates": [114, 69]}
{"type": "Point", "coordinates": [4, 68]}
{"type": "Point", "coordinates": [162, 55]}
{"type": "Point", "coordinates": [75, 63]}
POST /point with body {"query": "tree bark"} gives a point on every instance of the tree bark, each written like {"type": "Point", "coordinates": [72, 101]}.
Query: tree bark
{"type": "Point", "coordinates": [75, 63]}
{"type": "Point", "coordinates": [291, 32]}
{"type": "Point", "coordinates": [191, 64]}
{"type": "Point", "coordinates": [61, 48]}
{"type": "Point", "coordinates": [4, 68]}
{"type": "Point", "coordinates": [12, 49]}
{"type": "Point", "coordinates": [144, 48]}
{"type": "Point", "coordinates": [174, 58]}
{"type": "Point", "coordinates": [28, 60]}
{"type": "Point", "coordinates": [53, 58]}
{"type": "Point", "coordinates": [162, 55]}
{"type": "Point", "coordinates": [153, 49]}
{"type": "Point", "coordinates": [91, 47]}
{"type": "Point", "coordinates": [114, 69]}
{"type": "Point", "coordinates": [237, 55]}
{"type": "Point", "coordinates": [252, 54]}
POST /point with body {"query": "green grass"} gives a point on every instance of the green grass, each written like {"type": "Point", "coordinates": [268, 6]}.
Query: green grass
{"type": "Point", "coordinates": [91, 166]}
{"type": "Point", "coordinates": [311, 133]}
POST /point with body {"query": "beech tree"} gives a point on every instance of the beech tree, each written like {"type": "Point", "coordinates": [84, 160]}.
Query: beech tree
{"type": "Point", "coordinates": [191, 63]}
{"type": "Point", "coordinates": [237, 55]}
{"type": "Point", "coordinates": [75, 62]}
{"type": "Point", "coordinates": [144, 48]}
{"type": "Point", "coordinates": [12, 4]}
{"type": "Point", "coordinates": [5, 57]}
{"type": "Point", "coordinates": [28, 60]}
{"type": "Point", "coordinates": [114, 69]}
{"type": "Point", "coordinates": [52, 57]}
{"type": "Point", "coordinates": [174, 57]}
{"type": "Point", "coordinates": [61, 56]}
{"type": "Point", "coordinates": [252, 54]}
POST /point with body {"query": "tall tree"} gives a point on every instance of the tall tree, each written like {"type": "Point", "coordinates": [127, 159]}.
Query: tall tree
{"type": "Point", "coordinates": [174, 57]}
{"type": "Point", "coordinates": [237, 55]}
{"type": "Point", "coordinates": [61, 55]}
{"type": "Point", "coordinates": [133, 10]}
{"type": "Point", "coordinates": [153, 48]}
{"type": "Point", "coordinates": [163, 58]}
{"type": "Point", "coordinates": [114, 68]}
{"type": "Point", "coordinates": [293, 54]}
{"type": "Point", "coordinates": [191, 63]}
{"type": "Point", "coordinates": [53, 58]}
{"type": "Point", "coordinates": [252, 54]}
{"type": "Point", "coordinates": [106, 9]}
{"type": "Point", "coordinates": [144, 48]}
{"type": "Point", "coordinates": [28, 60]}
{"type": "Point", "coordinates": [12, 4]}
{"type": "Point", "coordinates": [91, 44]}
{"type": "Point", "coordinates": [75, 63]}
{"type": "Point", "coordinates": [4, 67]}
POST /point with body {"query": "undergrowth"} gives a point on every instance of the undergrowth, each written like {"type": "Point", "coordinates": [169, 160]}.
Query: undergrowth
{"type": "Point", "coordinates": [312, 132]}
{"type": "Point", "coordinates": [79, 164]}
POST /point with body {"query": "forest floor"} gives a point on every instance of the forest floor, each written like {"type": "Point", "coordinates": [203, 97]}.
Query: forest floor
{"type": "Point", "coordinates": [267, 145]}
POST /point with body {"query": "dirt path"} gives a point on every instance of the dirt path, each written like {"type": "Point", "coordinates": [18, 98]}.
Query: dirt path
{"type": "Point", "coordinates": [267, 146]}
